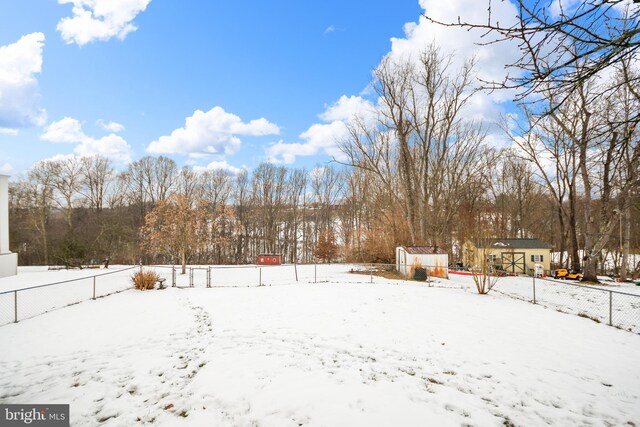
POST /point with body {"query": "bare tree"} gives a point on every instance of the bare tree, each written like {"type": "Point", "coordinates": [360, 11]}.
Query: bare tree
{"type": "Point", "coordinates": [554, 156]}
{"type": "Point", "coordinates": [40, 190]}
{"type": "Point", "coordinates": [554, 44]}
{"type": "Point", "coordinates": [68, 182]}
{"type": "Point", "coordinates": [421, 150]}
{"type": "Point", "coordinates": [98, 173]}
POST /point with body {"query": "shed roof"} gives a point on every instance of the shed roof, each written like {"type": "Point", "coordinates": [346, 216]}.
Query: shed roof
{"type": "Point", "coordinates": [424, 250]}
{"type": "Point", "coordinates": [513, 243]}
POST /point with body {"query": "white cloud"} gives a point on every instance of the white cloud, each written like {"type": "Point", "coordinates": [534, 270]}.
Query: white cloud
{"type": "Point", "coordinates": [219, 165]}
{"type": "Point", "coordinates": [286, 153]}
{"type": "Point", "coordinates": [329, 29]}
{"type": "Point", "coordinates": [69, 130]}
{"type": "Point", "coordinates": [211, 132]}
{"type": "Point", "coordinates": [6, 169]}
{"type": "Point", "coordinates": [110, 126]}
{"type": "Point", "coordinates": [348, 107]}
{"type": "Point", "coordinates": [626, 7]}
{"type": "Point", "coordinates": [99, 20]}
{"type": "Point", "coordinates": [324, 137]}
{"type": "Point", "coordinates": [112, 146]}
{"type": "Point", "coordinates": [563, 6]}
{"type": "Point", "coordinates": [19, 91]}
{"type": "Point", "coordinates": [491, 59]}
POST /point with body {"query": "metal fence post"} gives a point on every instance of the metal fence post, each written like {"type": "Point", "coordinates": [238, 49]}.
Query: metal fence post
{"type": "Point", "coordinates": [209, 277]}
{"type": "Point", "coordinates": [315, 273]}
{"type": "Point", "coordinates": [94, 287]}
{"type": "Point", "coordinates": [428, 271]}
{"type": "Point", "coordinates": [260, 276]}
{"type": "Point", "coordinates": [371, 273]}
{"type": "Point", "coordinates": [15, 306]}
{"type": "Point", "coordinates": [191, 277]}
{"type": "Point", "coordinates": [610, 308]}
{"type": "Point", "coordinates": [173, 276]}
{"type": "Point", "coordinates": [295, 268]}
{"type": "Point", "coordinates": [534, 287]}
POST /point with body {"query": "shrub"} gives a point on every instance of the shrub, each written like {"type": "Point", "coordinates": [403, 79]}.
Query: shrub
{"type": "Point", "coordinates": [144, 279]}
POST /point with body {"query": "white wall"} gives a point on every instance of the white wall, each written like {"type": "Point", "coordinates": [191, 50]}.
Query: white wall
{"type": "Point", "coordinates": [405, 261]}
{"type": "Point", "coordinates": [8, 261]}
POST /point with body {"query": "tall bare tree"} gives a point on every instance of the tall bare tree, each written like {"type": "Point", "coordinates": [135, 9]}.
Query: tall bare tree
{"type": "Point", "coordinates": [421, 150]}
{"type": "Point", "coordinates": [98, 173]}
{"type": "Point", "coordinates": [68, 183]}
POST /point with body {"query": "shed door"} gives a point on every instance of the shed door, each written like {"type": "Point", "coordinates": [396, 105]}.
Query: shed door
{"type": "Point", "coordinates": [513, 262]}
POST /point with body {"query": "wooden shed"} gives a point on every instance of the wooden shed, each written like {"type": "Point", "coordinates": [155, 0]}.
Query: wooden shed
{"type": "Point", "coordinates": [517, 256]}
{"type": "Point", "coordinates": [434, 259]}
{"type": "Point", "coordinates": [268, 259]}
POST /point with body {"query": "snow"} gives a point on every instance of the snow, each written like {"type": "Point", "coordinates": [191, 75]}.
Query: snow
{"type": "Point", "coordinates": [340, 352]}
{"type": "Point", "coordinates": [591, 301]}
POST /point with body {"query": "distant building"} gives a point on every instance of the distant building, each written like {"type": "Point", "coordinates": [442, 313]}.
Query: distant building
{"type": "Point", "coordinates": [8, 260]}
{"type": "Point", "coordinates": [432, 258]}
{"type": "Point", "coordinates": [518, 256]}
{"type": "Point", "coordinates": [269, 259]}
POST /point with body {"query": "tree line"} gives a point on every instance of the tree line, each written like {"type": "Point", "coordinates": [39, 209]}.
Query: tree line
{"type": "Point", "coordinates": [80, 210]}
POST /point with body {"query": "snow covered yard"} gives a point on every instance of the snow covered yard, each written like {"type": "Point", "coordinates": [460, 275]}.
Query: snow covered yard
{"type": "Point", "coordinates": [322, 354]}
{"type": "Point", "coordinates": [597, 302]}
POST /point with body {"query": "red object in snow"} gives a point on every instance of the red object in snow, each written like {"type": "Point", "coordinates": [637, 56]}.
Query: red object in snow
{"type": "Point", "coordinates": [268, 259]}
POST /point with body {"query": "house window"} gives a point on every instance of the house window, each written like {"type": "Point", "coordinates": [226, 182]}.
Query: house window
{"type": "Point", "coordinates": [536, 258]}
{"type": "Point", "coordinates": [492, 258]}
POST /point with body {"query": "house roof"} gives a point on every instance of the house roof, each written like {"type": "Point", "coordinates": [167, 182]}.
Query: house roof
{"type": "Point", "coordinates": [424, 250]}
{"type": "Point", "coordinates": [513, 244]}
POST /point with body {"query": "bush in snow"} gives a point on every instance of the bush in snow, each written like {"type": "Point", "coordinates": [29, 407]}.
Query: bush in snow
{"type": "Point", "coordinates": [144, 279]}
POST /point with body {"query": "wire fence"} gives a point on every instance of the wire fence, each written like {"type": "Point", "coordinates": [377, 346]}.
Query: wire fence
{"type": "Point", "coordinates": [612, 307]}
{"type": "Point", "coordinates": [616, 308]}
{"type": "Point", "coordinates": [213, 276]}
{"type": "Point", "coordinates": [26, 302]}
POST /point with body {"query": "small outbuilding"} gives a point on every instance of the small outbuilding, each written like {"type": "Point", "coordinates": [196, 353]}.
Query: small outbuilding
{"type": "Point", "coordinates": [434, 259]}
{"type": "Point", "coordinates": [269, 259]}
{"type": "Point", "coordinates": [518, 256]}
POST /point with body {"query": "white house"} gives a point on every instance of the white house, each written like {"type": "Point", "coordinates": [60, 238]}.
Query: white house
{"type": "Point", "coordinates": [432, 258]}
{"type": "Point", "coordinates": [8, 260]}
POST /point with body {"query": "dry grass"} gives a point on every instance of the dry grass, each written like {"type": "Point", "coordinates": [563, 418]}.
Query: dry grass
{"type": "Point", "coordinates": [144, 279]}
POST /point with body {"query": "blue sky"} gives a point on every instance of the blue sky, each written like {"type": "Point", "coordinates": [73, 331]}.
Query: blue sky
{"type": "Point", "coordinates": [209, 83]}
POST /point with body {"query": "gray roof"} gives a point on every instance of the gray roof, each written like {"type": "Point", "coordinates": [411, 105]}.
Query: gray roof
{"type": "Point", "coordinates": [424, 250]}
{"type": "Point", "coordinates": [514, 244]}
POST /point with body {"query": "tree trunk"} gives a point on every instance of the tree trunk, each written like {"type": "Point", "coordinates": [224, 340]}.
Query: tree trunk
{"type": "Point", "coordinates": [626, 242]}
{"type": "Point", "coordinates": [573, 235]}
{"type": "Point", "coordinates": [562, 233]}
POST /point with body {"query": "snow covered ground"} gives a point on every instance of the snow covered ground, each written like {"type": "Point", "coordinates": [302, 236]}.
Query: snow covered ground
{"type": "Point", "coordinates": [341, 352]}
{"type": "Point", "coordinates": [621, 301]}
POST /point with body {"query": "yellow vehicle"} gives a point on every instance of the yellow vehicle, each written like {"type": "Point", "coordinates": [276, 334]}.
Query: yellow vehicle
{"type": "Point", "coordinates": [563, 273]}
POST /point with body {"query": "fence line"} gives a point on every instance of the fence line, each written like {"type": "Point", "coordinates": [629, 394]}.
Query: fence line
{"type": "Point", "coordinates": [24, 303]}
{"type": "Point", "coordinates": [252, 275]}
{"type": "Point", "coordinates": [615, 308]}
{"type": "Point", "coordinates": [612, 307]}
